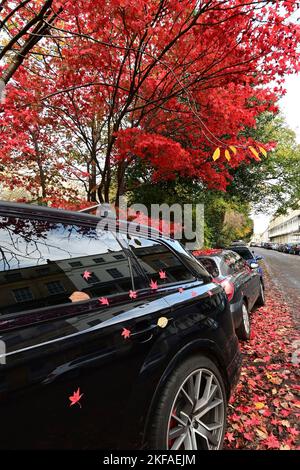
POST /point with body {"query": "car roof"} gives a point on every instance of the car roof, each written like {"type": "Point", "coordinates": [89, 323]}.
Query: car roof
{"type": "Point", "coordinates": [17, 209]}
{"type": "Point", "coordinates": [238, 247]}
{"type": "Point", "coordinates": [216, 254]}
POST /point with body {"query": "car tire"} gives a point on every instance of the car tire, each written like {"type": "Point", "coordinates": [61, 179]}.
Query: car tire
{"type": "Point", "coordinates": [261, 298]}
{"type": "Point", "coordinates": [243, 331]}
{"type": "Point", "coordinates": [177, 423]}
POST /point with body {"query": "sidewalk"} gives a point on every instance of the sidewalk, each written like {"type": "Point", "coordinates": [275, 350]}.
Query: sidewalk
{"type": "Point", "coordinates": [265, 409]}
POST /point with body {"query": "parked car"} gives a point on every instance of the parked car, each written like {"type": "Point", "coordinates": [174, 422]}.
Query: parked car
{"type": "Point", "coordinates": [242, 283]}
{"type": "Point", "coordinates": [287, 248]}
{"type": "Point", "coordinates": [281, 247]}
{"type": "Point", "coordinates": [269, 246]}
{"type": "Point", "coordinates": [249, 256]}
{"type": "Point", "coordinates": [238, 243]}
{"type": "Point", "coordinates": [295, 249]}
{"type": "Point", "coordinates": [108, 341]}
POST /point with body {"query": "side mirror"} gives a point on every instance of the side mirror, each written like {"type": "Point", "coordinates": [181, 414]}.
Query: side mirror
{"type": "Point", "coordinates": [254, 265]}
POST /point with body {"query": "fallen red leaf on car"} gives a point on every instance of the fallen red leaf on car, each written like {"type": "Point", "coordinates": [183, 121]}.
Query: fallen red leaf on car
{"type": "Point", "coordinates": [126, 333]}
{"type": "Point", "coordinates": [75, 398]}
{"type": "Point", "coordinates": [162, 274]}
{"type": "Point", "coordinates": [103, 301]}
{"type": "Point", "coordinates": [132, 294]}
{"type": "Point", "coordinates": [86, 275]}
{"type": "Point", "coordinates": [153, 284]}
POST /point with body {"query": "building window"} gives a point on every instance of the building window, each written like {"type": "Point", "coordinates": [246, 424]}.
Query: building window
{"type": "Point", "coordinates": [23, 295]}
{"type": "Point", "coordinates": [98, 260]}
{"type": "Point", "coordinates": [13, 277]}
{"type": "Point", "coordinates": [43, 271]}
{"type": "Point", "coordinates": [114, 273]}
{"type": "Point", "coordinates": [159, 264]}
{"type": "Point", "coordinates": [75, 264]}
{"type": "Point", "coordinates": [118, 256]}
{"type": "Point", "coordinates": [55, 287]}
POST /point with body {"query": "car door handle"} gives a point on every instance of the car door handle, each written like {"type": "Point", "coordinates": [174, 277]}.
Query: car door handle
{"type": "Point", "coordinates": [145, 334]}
{"type": "Point", "coordinates": [148, 333]}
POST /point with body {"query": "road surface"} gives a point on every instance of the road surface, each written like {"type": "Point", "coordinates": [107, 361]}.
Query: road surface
{"type": "Point", "coordinates": [285, 271]}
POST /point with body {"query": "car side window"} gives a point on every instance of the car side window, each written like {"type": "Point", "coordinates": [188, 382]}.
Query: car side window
{"type": "Point", "coordinates": [158, 262]}
{"type": "Point", "coordinates": [47, 264]}
{"type": "Point", "coordinates": [210, 265]}
{"type": "Point", "coordinates": [229, 262]}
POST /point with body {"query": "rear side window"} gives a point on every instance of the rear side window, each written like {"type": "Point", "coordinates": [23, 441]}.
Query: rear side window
{"type": "Point", "coordinates": [46, 264]}
{"type": "Point", "coordinates": [158, 262]}
{"type": "Point", "coordinates": [232, 263]}
{"type": "Point", "coordinates": [243, 252]}
{"type": "Point", "coordinates": [210, 265]}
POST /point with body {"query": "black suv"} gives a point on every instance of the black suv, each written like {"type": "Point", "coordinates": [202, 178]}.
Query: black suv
{"type": "Point", "coordinates": [108, 339]}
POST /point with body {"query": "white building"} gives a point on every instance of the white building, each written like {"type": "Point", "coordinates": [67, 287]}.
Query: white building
{"type": "Point", "coordinates": [285, 228]}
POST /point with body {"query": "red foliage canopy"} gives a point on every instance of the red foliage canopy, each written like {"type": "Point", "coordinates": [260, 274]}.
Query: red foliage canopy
{"type": "Point", "coordinates": [162, 82]}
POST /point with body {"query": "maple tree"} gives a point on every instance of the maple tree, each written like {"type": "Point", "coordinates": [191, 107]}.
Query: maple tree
{"type": "Point", "coordinates": [23, 24]}
{"type": "Point", "coordinates": [155, 85]}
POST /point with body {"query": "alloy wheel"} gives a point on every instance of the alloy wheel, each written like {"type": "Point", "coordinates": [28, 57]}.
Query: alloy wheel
{"type": "Point", "coordinates": [246, 320]}
{"type": "Point", "coordinates": [262, 293]}
{"type": "Point", "coordinates": [197, 419]}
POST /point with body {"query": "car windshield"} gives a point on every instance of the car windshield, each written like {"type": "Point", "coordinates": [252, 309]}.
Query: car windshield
{"type": "Point", "coordinates": [243, 252]}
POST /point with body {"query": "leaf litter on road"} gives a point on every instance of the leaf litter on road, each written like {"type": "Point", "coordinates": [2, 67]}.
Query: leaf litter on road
{"type": "Point", "coordinates": [264, 410]}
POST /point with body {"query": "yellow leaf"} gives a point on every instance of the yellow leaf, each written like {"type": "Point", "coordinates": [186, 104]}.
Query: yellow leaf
{"type": "Point", "coordinates": [227, 155]}
{"type": "Point", "coordinates": [259, 405]}
{"type": "Point", "coordinates": [216, 154]}
{"type": "Point", "coordinates": [276, 380]}
{"type": "Point", "coordinates": [162, 322]}
{"type": "Point", "coordinates": [285, 423]}
{"type": "Point", "coordinates": [233, 149]}
{"type": "Point", "coordinates": [285, 447]}
{"type": "Point", "coordinates": [261, 434]}
{"type": "Point", "coordinates": [263, 151]}
{"type": "Point", "coordinates": [255, 153]}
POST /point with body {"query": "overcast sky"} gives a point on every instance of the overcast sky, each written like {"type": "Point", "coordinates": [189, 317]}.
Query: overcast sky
{"type": "Point", "coordinates": [290, 107]}
{"type": "Point", "coordinates": [290, 103]}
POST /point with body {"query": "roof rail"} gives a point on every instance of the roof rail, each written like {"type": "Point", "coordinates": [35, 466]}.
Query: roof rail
{"type": "Point", "coordinates": [88, 209]}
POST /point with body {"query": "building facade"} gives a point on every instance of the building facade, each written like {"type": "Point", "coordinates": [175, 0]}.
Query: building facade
{"type": "Point", "coordinates": [285, 228]}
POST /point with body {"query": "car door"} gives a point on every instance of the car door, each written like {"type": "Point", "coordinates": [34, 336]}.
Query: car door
{"type": "Point", "coordinates": [250, 280]}
{"type": "Point", "coordinates": [237, 268]}
{"type": "Point", "coordinates": [75, 335]}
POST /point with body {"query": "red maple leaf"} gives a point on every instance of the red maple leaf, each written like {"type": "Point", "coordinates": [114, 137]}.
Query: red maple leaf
{"type": "Point", "coordinates": [104, 301]}
{"type": "Point", "coordinates": [194, 293]}
{"type": "Point", "coordinates": [293, 431]}
{"type": "Point", "coordinates": [126, 333]}
{"type": "Point", "coordinates": [75, 398]}
{"type": "Point", "coordinates": [132, 294]}
{"type": "Point", "coordinates": [86, 275]}
{"type": "Point", "coordinates": [180, 290]}
{"type": "Point", "coordinates": [230, 437]}
{"type": "Point", "coordinates": [153, 284]}
{"type": "Point", "coordinates": [162, 274]}
{"type": "Point", "coordinates": [271, 442]}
